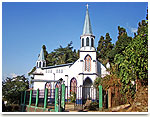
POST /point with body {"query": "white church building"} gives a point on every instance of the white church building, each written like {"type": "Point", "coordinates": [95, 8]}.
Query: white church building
{"type": "Point", "coordinates": [82, 72]}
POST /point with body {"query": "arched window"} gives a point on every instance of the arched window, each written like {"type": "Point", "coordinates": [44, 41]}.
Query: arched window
{"type": "Point", "coordinates": [87, 41]}
{"type": "Point", "coordinates": [39, 64]}
{"type": "Point", "coordinates": [88, 63]}
{"type": "Point", "coordinates": [92, 42]}
{"type": "Point", "coordinates": [43, 64]}
{"type": "Point", "coordinates": [82, 42]}
{"type": "Point", "coordinates": [73, 86]}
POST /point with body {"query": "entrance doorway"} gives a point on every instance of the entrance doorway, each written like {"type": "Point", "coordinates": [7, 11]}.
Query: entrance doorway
{"type": "Point", "coordinates": [86, 94]}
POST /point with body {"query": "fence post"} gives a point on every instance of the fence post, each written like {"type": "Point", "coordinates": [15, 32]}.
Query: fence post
{"type": "Point", "coordinates": [37, 99]}
{"type": "Point", "coordinates": [63, 97]}
{"type": "Point", "coordinates": [30, 100]}
{"type": "Point", "coordinates": [45, 98]}
{"type": "Point", "coordinates": [109, 97]}
{"type": "Point", "coordinates": [100, 97]}
{"type": "Point", "coordinates": [56, 99]}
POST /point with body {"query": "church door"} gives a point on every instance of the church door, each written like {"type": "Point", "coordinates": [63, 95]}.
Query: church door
{"type": "Point", "coordinates": [86, 89]}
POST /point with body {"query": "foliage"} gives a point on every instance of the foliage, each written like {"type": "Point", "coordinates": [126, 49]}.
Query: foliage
{"type": "Point", "coordinates": [97, 82]}
{"type": "Point", "coordinates": [121, 43]}
{"type": "Point", "coordinates": [62, 55]}
{"type": "Point", "coordinates": [111, 80]}
{"type": "Point", "coordinates": [93, 106]}
{"type": "Point", "coordinates": [104, 47]}
{"type": "Point", "coordinates": [12, 87]}
{"type": "Point", "coordinates": [73, 97]}
{"type": "Point", "coordinates": [45, 52]}
{"type": "Point", "coordinates": [133, 61]}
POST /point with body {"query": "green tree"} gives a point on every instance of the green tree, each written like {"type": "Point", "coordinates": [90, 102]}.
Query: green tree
{"type": "Point", "coordinates": [12, 87]}
{"type": "Point", "coordinates": [45, 52]}
{"type": "Point", "coordinates": [133, 61]}
{"type": "Point", "coordinates": [121, 43]}
{"type": "Point", "coordinates": [104, 47]}
{"type": "Point", "coordinates": [97, 82]}
{"type": "Point", "coordinates": [62, 55]}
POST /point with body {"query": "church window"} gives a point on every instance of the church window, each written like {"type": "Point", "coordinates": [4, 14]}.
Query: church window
{"type": "Point", "coordinates": [57, 71]}
{"type": "Point", "coordinates": [73, 84]}
{"type": "Point", "coordinates": [39, 64]}
{"type": "Point", "coordinates": [82, 42]}
{"type": "Point", "coordinates": [61, 70]}
{"type": "Point", "coordinates": [88, 63]}
{"type": "Point", "coordinates": [43, 64]}
{"type": "Point", "coordinates": [87, 41]}
{"type": "Point", "coordinates": [92, 42]}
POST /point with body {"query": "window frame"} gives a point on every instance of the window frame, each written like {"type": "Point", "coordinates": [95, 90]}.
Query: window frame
{"type": "Point", "coordinates": [87, 41]}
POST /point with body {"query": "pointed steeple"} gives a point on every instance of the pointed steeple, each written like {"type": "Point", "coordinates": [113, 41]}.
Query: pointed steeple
{"type": "Point", "coordinates": [41, 62]}
{"type": "Point", "coordinates": [87, 30]}
{"type": "Point", "coordinates": [41, 56]}
{"type": "Point", "coordinates": [87, 37]}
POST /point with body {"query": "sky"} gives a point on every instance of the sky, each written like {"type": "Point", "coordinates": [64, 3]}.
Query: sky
{"type": "Point", "coordinates": [28, 26]}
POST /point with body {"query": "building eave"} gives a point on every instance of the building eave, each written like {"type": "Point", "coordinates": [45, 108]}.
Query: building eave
{"type": "Point", "coordinates": [35, 73]}
{"type": "Point", "coordinates": [55, 66]}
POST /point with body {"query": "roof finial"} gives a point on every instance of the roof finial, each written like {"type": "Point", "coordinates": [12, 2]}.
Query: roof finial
{"type": "Point", "coordinates": [87, 6]}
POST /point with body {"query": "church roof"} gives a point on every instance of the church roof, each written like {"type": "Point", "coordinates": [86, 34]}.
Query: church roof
{"type": "Point", "coordinates": [61, 65]}
{"type": "Point", "coordinates": [87, 24]}
{"type": "Point", "coordinates": [41, 56]}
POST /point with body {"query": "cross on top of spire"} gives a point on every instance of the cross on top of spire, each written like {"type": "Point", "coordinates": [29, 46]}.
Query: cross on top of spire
{"type": "Point", "coordinates": [87, 6]}
{"type": "Point", "coordinates": [87, 25]}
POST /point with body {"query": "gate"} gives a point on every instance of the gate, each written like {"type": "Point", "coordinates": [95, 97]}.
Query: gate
{"type": "Point", "coordinates": [79, 97]}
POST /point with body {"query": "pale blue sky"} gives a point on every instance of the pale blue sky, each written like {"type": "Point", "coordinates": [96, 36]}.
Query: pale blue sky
{"type": "Point", "coordinates": [27, 26]}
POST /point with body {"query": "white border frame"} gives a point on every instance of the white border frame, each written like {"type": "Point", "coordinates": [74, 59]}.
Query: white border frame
{"type": "Point", "coordinates": [62, 113]}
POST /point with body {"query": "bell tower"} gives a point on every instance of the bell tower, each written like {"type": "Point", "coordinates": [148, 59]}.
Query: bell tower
{"type": "Point", "coordinates": [87, 37]}
{"type": "Point", "coordinates": [41, 60]}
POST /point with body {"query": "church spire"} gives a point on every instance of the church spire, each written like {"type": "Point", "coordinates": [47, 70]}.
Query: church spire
{"type": "Point", "coordinates": [41, 56]}
{"type": "Point", "coordinates": [87, 30]}
{"type": "Point", "coordinates": [41, 62]}
{"type": "Point", "coordinates": [87, 37]}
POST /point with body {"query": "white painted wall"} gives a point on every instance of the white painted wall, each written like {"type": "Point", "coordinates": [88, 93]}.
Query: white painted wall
{"type": "Point", "coordinates": [72, 71]}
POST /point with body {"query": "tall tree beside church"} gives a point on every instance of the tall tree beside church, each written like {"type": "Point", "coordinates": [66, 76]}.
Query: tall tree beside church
{"type": "Point", "coordinates": [121, 44]}
{"type": "Point", "coordinates": [100, 48]}
{"type": "Point", "coordinates": [123, 40]}
{"type": "Point", "coordinates": [62, 55]}
{"type": "Point", "coordinates": [104, 47]}
{"type": "Point", "coordinates": [109, 45]}
{"type": "Point", "coordinates": [133, 61]}
{"type": "Point", "coordinates": [45, 52]}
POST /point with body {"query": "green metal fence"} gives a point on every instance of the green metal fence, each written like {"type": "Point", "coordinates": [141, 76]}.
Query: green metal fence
{"type": "Point", "coordinates": [39, 100]}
